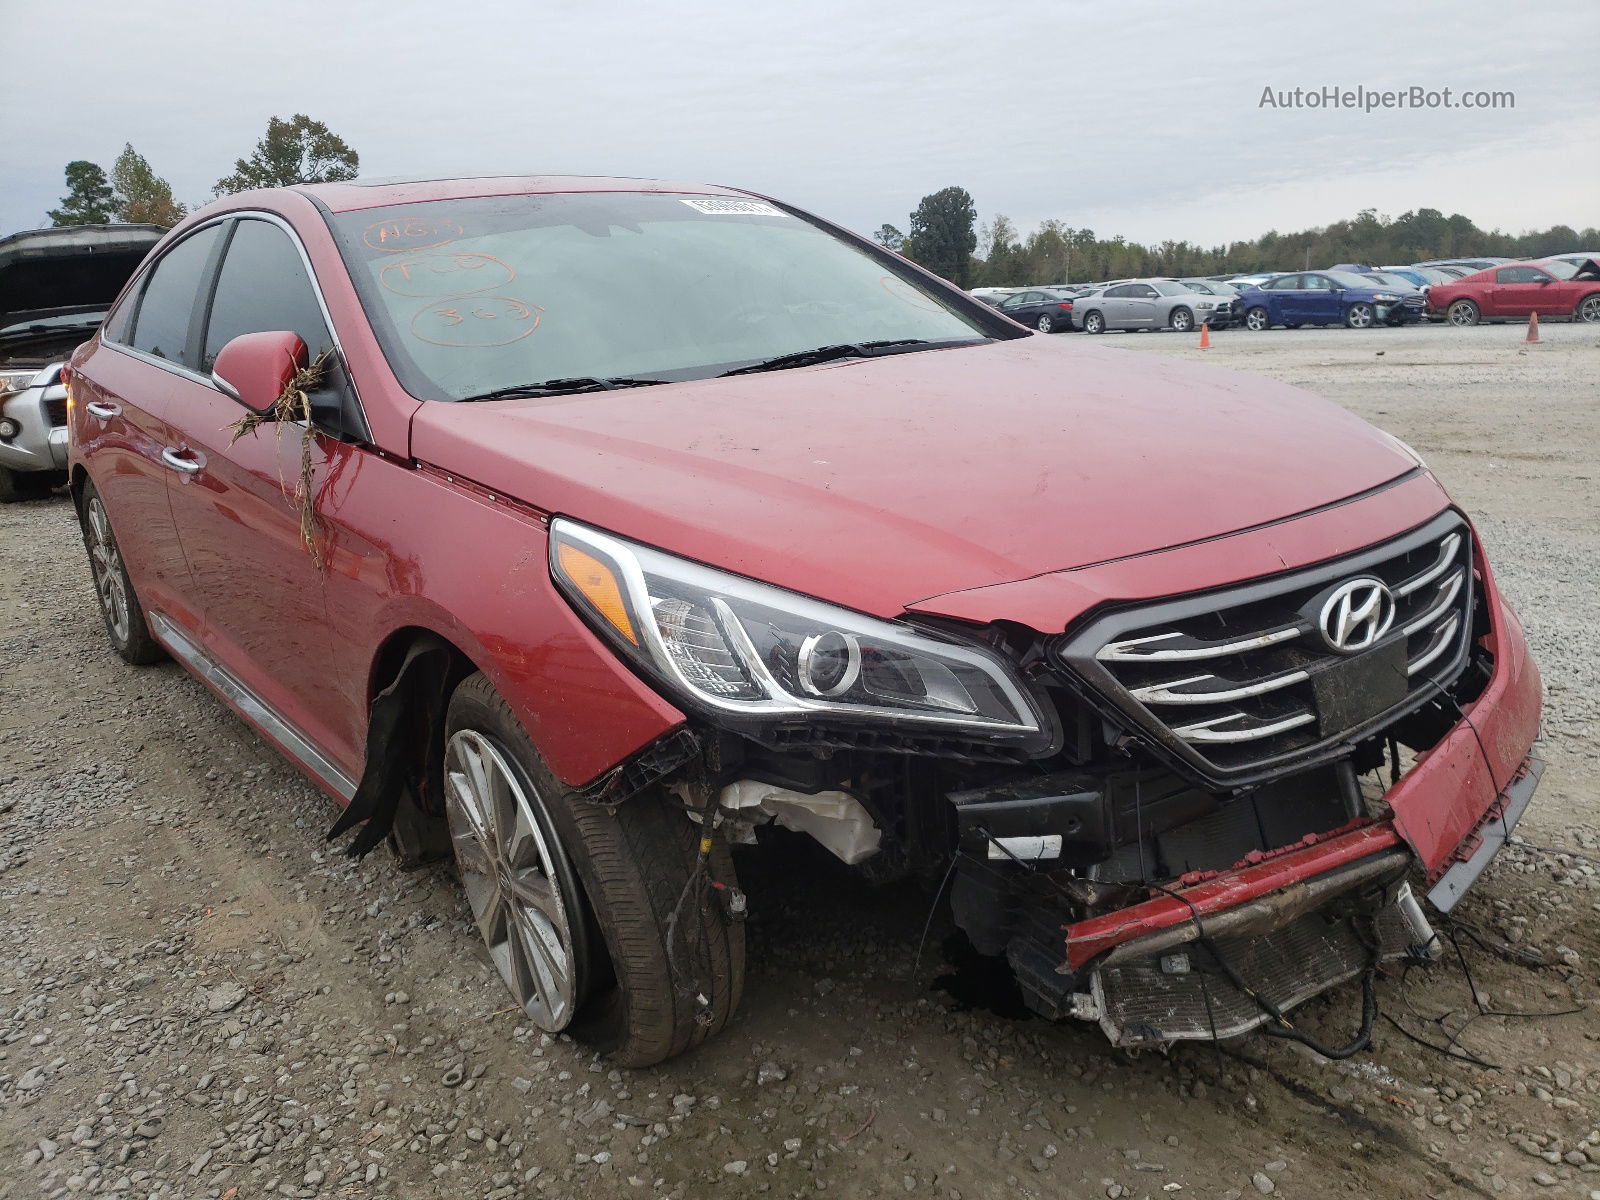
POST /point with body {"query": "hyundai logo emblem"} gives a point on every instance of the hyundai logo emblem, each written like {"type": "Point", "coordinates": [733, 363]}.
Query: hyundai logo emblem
{"type": "Point", "coordinates": [1356, 615]}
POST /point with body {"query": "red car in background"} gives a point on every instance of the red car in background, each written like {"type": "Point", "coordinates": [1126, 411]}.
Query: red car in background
{"type": "Point", "coordinates": [1107, 643]}
{"type": "Point", "coordinates": [1549, 287]}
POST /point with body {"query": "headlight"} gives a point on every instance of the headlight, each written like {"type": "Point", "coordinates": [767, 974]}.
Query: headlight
{"type": "Point", "coordinates": [1205, 304]}
{"type": "Point", "coordinates": [15, 381]}
{"type": "Point", "coordinates": [1385, 297]}
{"type": "Point", "coordinates": [736, 647]}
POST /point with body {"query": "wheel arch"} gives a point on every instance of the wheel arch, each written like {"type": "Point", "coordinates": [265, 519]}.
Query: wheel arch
{"type": "Point", "coordinates": [412, 674]}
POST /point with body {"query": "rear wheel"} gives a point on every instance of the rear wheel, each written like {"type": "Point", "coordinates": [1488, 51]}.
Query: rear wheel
{"type": "Point", "coordinates": [1093, 322]}
{"type": "Point", "coordinates": [602, 923]}
{"type": "Point", "coordinates": [1462, 313]}
{"type": "Point", "coordinates": [119, 604]}
{"type": "Point", "coordinates": [1589, 309]}
{"type": "Point", "coordinates": [1182, 320]}
{"type": "Point", "coordinates": [1257, 319]}
{"type": "Point", "coordinates": [1045, 324]}
{"type": "Point", "coordinates": [1360, 315]}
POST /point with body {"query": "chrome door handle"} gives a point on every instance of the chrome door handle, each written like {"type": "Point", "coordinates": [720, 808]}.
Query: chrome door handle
{"type": "Point", "coordinates": [105, 412]}
{"type": "Point", "coordinates": [178, 462]}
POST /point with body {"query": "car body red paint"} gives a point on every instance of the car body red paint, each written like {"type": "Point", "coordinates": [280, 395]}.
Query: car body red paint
{"type": "Point", "coordinates": [1021, 485]}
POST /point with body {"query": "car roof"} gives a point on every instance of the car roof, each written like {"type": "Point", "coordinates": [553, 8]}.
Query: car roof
{"type": "Point", "coordinates": [356, 194]}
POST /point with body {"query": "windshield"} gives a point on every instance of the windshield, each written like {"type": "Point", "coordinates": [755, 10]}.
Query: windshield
{"type": "Point", "coordinates": [1346, 280]}
{"type": "Point", "coordinates": [1560, 268]}
{"type": "Point", "coordinates": [1384, 279]}
{"type": "Point", "coordinates": [472, 296]}
{"type": "Point", "coordinates": [1168, 288]}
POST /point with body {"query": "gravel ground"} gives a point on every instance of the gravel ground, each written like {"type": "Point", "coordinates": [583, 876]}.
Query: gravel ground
{"type": "Point", "coordinates": [198, 999]}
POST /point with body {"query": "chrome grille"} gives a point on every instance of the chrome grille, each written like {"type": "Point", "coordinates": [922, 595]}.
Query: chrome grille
{"type": "Point", "coordinates": [1241, 681]}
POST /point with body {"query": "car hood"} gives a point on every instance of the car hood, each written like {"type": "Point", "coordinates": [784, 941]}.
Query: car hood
{"type": "Point", "coordinates": [46, 274]}
{"type": "Point", "coordinates": [882, 482]}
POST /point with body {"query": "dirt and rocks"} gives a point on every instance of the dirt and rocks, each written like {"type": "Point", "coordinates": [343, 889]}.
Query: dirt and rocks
{"type": "Point", "coordinates": [199, 998]}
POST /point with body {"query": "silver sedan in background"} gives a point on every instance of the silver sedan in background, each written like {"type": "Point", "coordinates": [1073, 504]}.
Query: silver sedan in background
{"type": "Point", "coordinates": [1148, 304]}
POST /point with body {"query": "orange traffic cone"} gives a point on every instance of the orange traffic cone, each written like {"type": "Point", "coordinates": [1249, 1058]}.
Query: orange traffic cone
{"type": "Point", "coordinates": [1533, 329]}
{"type": "Point", "coordinates": [1205, 335]}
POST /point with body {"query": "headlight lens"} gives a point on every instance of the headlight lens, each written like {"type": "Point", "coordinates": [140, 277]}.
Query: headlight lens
{"type": "Point", "coordinates": [743, 648]}
{"type": "Point", "coordinates": [1385, 297]}
{"type": "Point", "coordinates": [15, 381]}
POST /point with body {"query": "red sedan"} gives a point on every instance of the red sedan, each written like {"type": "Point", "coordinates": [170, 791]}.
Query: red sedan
{"type": "Point", "coordinates": [1550, 287]}
{"type": "Point", "coordinates": [581, 529]}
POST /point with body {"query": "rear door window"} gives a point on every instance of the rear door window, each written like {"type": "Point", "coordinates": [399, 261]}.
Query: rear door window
{"type": "Point", "coordinates": [170, 303]}
{"type": "Point", "coordinates": [263, 286]}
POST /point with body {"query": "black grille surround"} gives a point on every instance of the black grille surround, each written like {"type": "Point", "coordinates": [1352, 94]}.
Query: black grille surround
{"type": "Point", "coordinates": [1239, 684]}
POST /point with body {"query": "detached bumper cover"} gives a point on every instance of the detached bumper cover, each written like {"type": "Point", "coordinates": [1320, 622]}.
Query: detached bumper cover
{"type": "Point", "coordinates": [1496, 829]}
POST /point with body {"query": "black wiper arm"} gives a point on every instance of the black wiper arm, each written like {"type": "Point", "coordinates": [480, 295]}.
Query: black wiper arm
{"type": "Point", "coordinates": [822, 354]}
{"type": "Point", "coordinates": [561, 387]}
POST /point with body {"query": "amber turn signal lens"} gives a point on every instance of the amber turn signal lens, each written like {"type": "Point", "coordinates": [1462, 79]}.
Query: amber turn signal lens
{"type": "Point", "coordinates": [597, 584]}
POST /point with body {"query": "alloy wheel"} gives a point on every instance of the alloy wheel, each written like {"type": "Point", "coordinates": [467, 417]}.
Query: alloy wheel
{"type": "Point", "coordinates": [106, 563]}
{"type": "Point", "coordinates": [1045, 325]}
{"type": "Point", "coordinates": [1360, 316]}
{"type": "Point", "coordinates": [512, 869]}
{"type": "Point", "coordinates": [1256, 320]}
{"type": "Point", "coordinates": [1463, 313]}
{"type": "Point", "coordinates": [1589, 310]}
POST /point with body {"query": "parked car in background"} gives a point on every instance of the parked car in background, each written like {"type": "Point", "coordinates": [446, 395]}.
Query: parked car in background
{"type": "Point", "coordinates": [1046, 309]}
{"type": "Point", "coordinates": [1219, 318]}
{"type": "Point", "coordinates": [1577, 259]}
{"type": "Point", "coordinates": [1242, 282]}
{"type": "Point", "coordinates": [583, 601]}
{"type": "Point", "coordinates": [1448, 270]}
{"type": "Point", "coordinates": [992, 296]}
{"type": "Point", "coordinates": [55, 287]}
{"type": "Point", "coordinates": [1550, 288]}
{"type": "Point", "coordinates": [1471, 264]}
{"type": "Point", "coordinates": [1327, 298]}
{"type": "Point", "coordinates": [1145, 304]}
{"type": "Point", "coordinates": [1418, 277]}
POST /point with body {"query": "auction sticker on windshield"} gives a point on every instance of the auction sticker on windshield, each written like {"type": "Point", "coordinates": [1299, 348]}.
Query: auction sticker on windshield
{"type": "Point", "coordinates": [731, 208]}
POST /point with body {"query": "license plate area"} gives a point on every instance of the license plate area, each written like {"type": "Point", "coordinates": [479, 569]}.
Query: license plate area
{"type": "Point", "coordinates": [1353, 692]}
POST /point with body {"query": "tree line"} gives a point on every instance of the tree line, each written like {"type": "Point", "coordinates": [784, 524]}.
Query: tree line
{"type": "Point", "coordinates": [944, 236]}
{"type": "Point", "coordinates": [299, 150]}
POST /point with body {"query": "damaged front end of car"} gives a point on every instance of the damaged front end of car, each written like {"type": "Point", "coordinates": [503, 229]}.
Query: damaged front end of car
{"type": "Point", "coordinates": [1178, 818]}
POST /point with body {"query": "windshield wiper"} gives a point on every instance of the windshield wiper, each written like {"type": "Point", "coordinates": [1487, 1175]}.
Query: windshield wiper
{"type": "Point", "coordinates": [822, 354]}
{"type": "Point", "coordinates": [561, 387]}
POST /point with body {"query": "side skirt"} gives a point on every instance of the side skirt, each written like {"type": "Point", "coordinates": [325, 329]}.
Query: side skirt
{"type": "Point", "coordinates": [252, 708]}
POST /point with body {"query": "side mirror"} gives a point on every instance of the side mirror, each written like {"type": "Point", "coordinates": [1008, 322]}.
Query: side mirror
{"type": "Point", "coordinates": [254, 368]}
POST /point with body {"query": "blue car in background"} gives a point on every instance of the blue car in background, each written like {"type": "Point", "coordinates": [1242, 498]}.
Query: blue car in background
{"type": "Point", "coordinates": [1328, 298]}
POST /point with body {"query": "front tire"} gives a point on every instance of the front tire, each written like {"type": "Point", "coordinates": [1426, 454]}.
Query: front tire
{"type": "Point", "coordinates": [1360, 315]}
{"type": "Point", "coordinates": [119, 603]}
{"type": "Point", "coordinates": [1094, 322]}
{"type": "Point", "coordinates": [1589, 309]}
{"type": "Point", "coordinates": [1182, 320]}
{"type": "Point", "coordinates": [629, 931]}
{"type": "Point", "coordinates": [1462, 314]}
{"type": "Point", "coordinates": [1257, 319]}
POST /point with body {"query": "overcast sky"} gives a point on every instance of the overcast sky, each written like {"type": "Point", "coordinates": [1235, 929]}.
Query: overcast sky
{"type": "Point", "coordinates": [1134, 116]}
